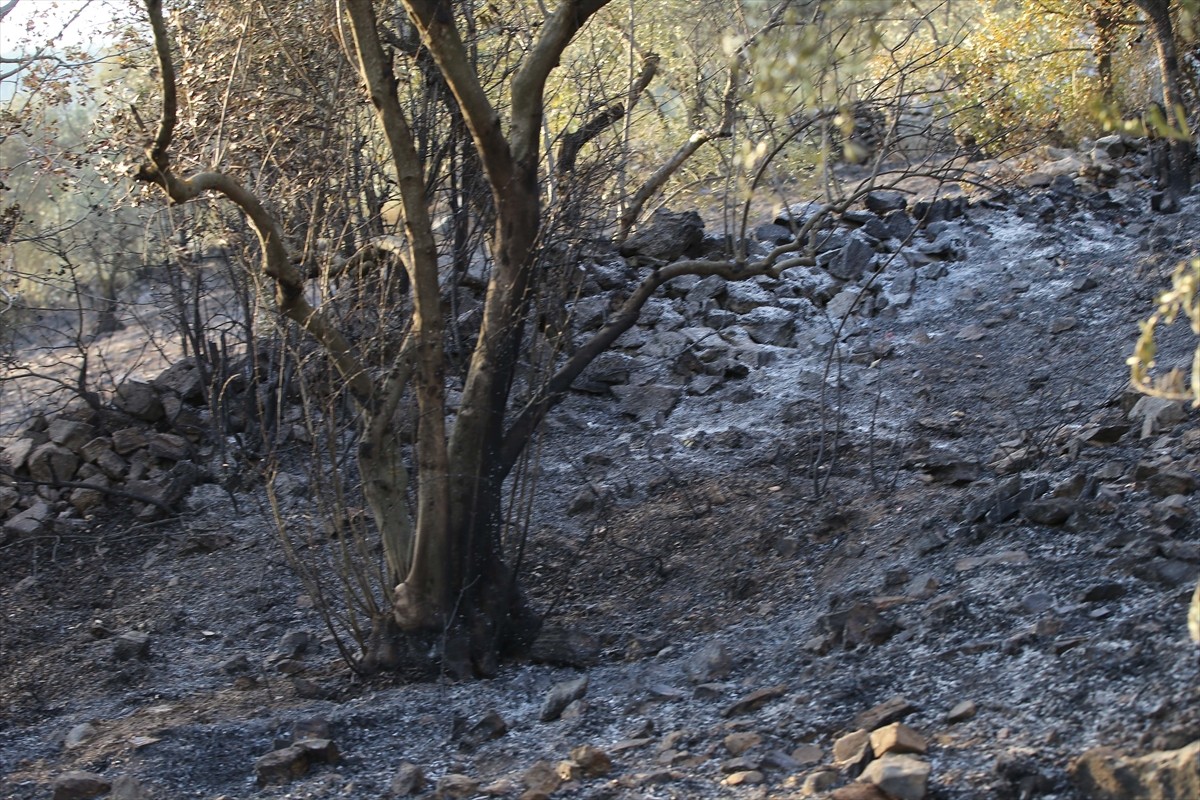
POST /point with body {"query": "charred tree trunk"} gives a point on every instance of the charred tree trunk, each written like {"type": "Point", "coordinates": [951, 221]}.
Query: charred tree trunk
{"type": "Point", "coordinates": [1177, 156]}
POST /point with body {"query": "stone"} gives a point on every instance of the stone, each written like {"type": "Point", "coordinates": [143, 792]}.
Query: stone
{"type": "Point", "coordinates": [131, 645]}
{"type": "Point", "coordinates": [798, 215]}
{"type": "Point", "coordinates": [1106, 774]}
{"type": "Point", "coordinates": [739, 743]}
{"type": "Point", "coordinates": [961, 712]}
{"type": "Point", "coordinates": [773, 234]}
{"type": "Point", "coordinates": [652, 403]}
{"type": "Point", "coordinates": [897, 738]}
{"type": "Point", "coordinates": [455, 785]}
{"type": "Point", "coordinates": [408, 780]}
{"type": "Point", "coordinates": [666, 237]}
{"type": "Point", "coordinates": [1157, 414]}
{"type": "Point", "coordinates": [78, 735]}
{"type": "Point", "coordinates": [807, 754]}
{"type": "Point", "coordinates": [858, 791]}
{"type": "Point", "coordinates": [853, 260]}
{"type": "Point", "coordinates": [843, 302]}
{"type": "Point", "coordinates": [1167, 483]}
{"type": "Point", "coordinates": [592, 760]}
{"type": "Point", "coordinates": [819, 780]}
{"type": "Point", "coordinates": [289, 763]}
{"type": "Point", "coordinates": [541, 778]}
{"type": "Point", "coordinates": [489, 727]}
{"type": "Point", "coordinates": [29, 522]}
{"type": "Point", "coordinates": [901, 777]}
{"type": "Point", "coordinates": [169, 446]}
{"type": "Point", "coordinates": [710, 663]}
{"type": "Point", "coordinates": [891, 710]}
{"type": "Point", "coordinates": [139, 400]}
{"type": "Point", "coordinates": [853, 750]}
{"type": "Point", "coordinates": [184, 379]}
{"type": "Point", "coordinates": [78, 785]}
{"type": "Point", "coordinates": [1103, 592]}
{"type": "Point", "coordinates": [750, 777]}
{"type": "Point", "coordinates": [8, 498]}
{"type": "Point", "coordinates": [70, 434]}
{"type": "Point", "coordinates": [127, 787]}
{"type": "Point", "coordinates": [881, 202]}
{"type": "Point", "coordinates": [769, 325]}
{"type": "Point", "coordinates": [128, 440]}
{"type": "Point", "coordinates": [52, 463]}
{"type": "Point", "coordinates": [742, 297]}
{"type": "Point", "coordinates": [17, 452]}
{"type": "Point", "coordinates": [1049, 510]}
{"type": "Point", "coordinates": [560, 696]}
{"type": "Point", "coordinates": [754, 701]}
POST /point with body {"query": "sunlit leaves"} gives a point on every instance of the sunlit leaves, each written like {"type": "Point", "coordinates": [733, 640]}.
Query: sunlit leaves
{"type": "Point", "coordinates": [1182, 298]}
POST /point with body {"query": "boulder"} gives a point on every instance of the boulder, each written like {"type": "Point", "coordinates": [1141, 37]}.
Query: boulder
{"type": "Point", "coordinates": [666, 237]}
{"type": "Point", "coordinates": [1106, 774]}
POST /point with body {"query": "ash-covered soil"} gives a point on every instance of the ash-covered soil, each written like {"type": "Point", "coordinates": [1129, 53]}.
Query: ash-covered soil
{"type": "Point", "coordinates": [957, 511]}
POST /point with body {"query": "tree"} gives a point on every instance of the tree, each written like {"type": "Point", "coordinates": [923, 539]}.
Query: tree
{"type": "Point", "coordinates": [1177, 161]}
{"type": "Point", "coordinates": [439, 509]}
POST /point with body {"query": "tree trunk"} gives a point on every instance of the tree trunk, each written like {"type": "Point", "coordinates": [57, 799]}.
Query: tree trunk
{"type": "Point", "coordinates": [1176, 180]}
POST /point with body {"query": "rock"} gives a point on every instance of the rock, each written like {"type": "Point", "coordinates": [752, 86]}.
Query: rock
{"type": "Point", "coordinates": [897, 738]}
{"type": "Point", "coordinates": [852, 751]}
{"type": "Point", "coordinates": [184, 379]}
{"type": "Point", "coordinates": [750, 777]}
{"type": "Point", "coordinates": [858, 791]}
{"type": "Point", "coordinates": [29, 522]}
{"type": "Point", "coordinates": [78, 785]}
{"type": "Point", "coordinates": [1049, 511]}
{"type": "Point", "coordinates": [881, 202]}
{"type": "Point", "coordinates": [899, 776]}
{"type": "Point", "coordinates": [127, 787]}
{"type": "Point", "coordinates": [773, 234]}
{"type": "Point", "coordinates": [891, 710]}
{"type": "Point", "coordinates": [652, 403]}
{"type": "Point", "coordinates": [487, 728]}
{"type": "Point", "coordinates": [742, 297]}
{"type": "Point", "coordinates": [666, 237]}
{"type": "Point", "coordinates": [70, 434]}
{"type": "Point", "coordinates": [807, 754]}
{"type": "Point", "coordinates": [860, 624]}
{"type": "Point", "coordinates": [961, 712]}
{"type": "Point", "coordinates": [1110, 146]}
{"type": "Point", "coordinates": [843, 302]}
{"type": "Point", "coordinates": [408, 781]}
{"type": "Point", "coordinates": [131, 645]}
{"type": "Point", "coordinates": [52, 463]}
{"type": "Point", "coordinates": [1103, 592]}
{"type": "Point", "coordinates": [565, 646]}
{"type": "Point", "coordinates": [592, 760]}
{"type": "Point", "coordinates": [754, 701]}
{"type": "Point", "coordinates": [710, 663]}
{"type": "Point", "coordinates": [799, 214]}
{"type": "Point", "coordinates": [1169, 482]}
{"type": "Point", "coordinates": [1157, 414]}
{"type": "Point", "coordinates": [819, 780]}
{"type": "Point", "coordinates": [8, 498]}
{"type": "Point", "coordinates": [541, 778]}
{"type": "Point", "coordinates": [769, 325]}
{"type": "Point", "coordinates": [1106, 774]}
{"type": "Point", "coordinates": [560, 696]}
{"type": "Point", "coordinates": [455, 785]}
{"type": "Point", "coordinates": [78, 735]}
{"type": "Point", "coordinates": [282, 766]}
{"type": "Point", "coordinates": [139, 400]}
{"type": "Point", "coordinates": [739, 743]}
{"type": "Point", "coordinates": [293, 643]}
{"type": "Point", "coordinates": [853, 260]}
{"type": "Point", "coordinates": [17, 452]}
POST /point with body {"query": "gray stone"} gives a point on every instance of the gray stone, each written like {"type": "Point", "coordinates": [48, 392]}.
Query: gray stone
{"type": "Point", "coordinates": [799, 214]}
{"type": "Point", "coordinates": [1157, 414]}
{"type": "Point", "coordinates": [743, 297]}
{"type": "Point", "coordinates": [70, 434]}
{"type": "Point", "coordinates": [8, 498]}
{"type": "Point", "coordinates": [560, 696]}
{"type": "Point", "coordinates": [772, 234]}
{"type": "Point", "coordinates": [455, 785]}
{"type": "Point", "coordinates": [882, 202]}
{"type": "Point", "coordinates": [29, 522]}
{"type": "Point", "coordinates": [131, 645]}
{"type": "Point", "coordinates": [710, 663]}
{"type": "Point", "coordinates": [666, 237]}
{"type": "Point", "coordinates": [127, 787]}
{"type": "Point", "coordinates": [1049, 511]}
{"type": "Point", "coordinates": [17, 452]}
{"type": "Point", "coordinates": [184, 379]}
{"type": "Point", "coordinates": [853, 260]}
{"type": "Point", "coordinates": [139, 400]}
{"type": "Point", "coordinates": [840, 306]}
{"type": "Point", "coordinates": [961, 712]}
{"type": "Point", "coordinates": [79, 785]}
{"type": "Point", "coordinates": [769, 325]}
{"type": "Point", "coordinates": [52, 463]}
{"type": "Point", "coordinates": [652, 403]}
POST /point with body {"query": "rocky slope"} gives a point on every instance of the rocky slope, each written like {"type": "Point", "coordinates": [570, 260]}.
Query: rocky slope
{"type": "Point", "coordinates": [907, 487]}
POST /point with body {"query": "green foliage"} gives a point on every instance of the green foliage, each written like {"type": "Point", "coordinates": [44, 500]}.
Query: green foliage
{"type": "Point", "coordinates": [1027, 70]}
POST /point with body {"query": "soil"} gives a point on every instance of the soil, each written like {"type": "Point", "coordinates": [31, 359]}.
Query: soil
{"type": "Point", "coordinates": [707, 563]}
